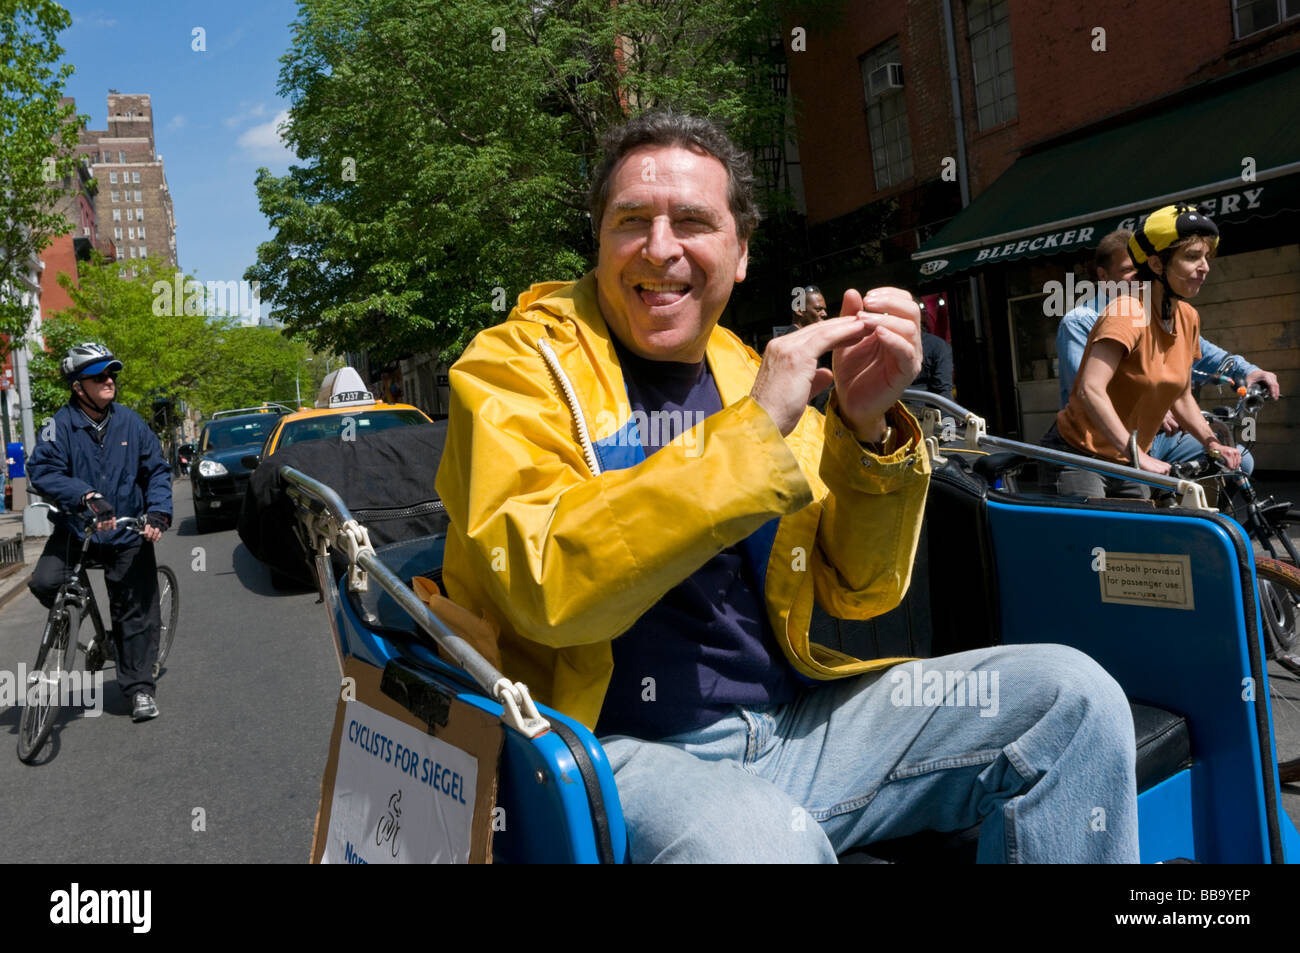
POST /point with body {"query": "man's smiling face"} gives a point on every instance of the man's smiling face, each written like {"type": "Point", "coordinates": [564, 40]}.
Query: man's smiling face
{"type": "Point", "coordinates": [669, 254]}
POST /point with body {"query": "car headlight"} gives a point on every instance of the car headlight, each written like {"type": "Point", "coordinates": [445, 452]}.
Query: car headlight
{"type": "Point", "coordinates": [210, 468]}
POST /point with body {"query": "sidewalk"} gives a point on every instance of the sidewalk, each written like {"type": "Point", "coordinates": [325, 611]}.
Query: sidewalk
{"type": "Point", "coordinates": [14, 584]}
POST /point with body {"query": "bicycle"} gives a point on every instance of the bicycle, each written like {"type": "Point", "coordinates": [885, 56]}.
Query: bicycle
{"type": "Point", "coordinates": [73, 603]}
{"type": "Point", "coordinates": [1265, 521]}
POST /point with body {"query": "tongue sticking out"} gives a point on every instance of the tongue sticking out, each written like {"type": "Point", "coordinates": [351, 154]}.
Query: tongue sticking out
{"type": "Point", "coordinates": [657, 299]}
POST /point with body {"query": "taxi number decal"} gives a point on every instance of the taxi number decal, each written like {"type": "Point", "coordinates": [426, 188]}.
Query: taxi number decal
{"type": "Point", "coordinates": [352, 395]}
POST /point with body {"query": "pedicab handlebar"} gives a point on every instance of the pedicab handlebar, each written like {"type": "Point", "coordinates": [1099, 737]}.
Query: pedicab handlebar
{"type": "Point", "coordinates": [329, 523]}
{"type": "Point", "coordinates": [1190, 494]}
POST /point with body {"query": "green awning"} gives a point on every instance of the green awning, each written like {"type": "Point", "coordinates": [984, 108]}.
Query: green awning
{"type": "Point", "coordinates": [1233, 145]}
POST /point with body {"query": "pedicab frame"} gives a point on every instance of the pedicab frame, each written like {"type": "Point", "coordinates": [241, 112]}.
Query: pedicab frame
{"type": "Point", "coordinates": [558, 792]}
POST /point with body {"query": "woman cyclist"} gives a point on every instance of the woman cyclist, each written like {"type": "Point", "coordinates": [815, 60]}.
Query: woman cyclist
{"type": "Point", "coordinates": [1137, 365]}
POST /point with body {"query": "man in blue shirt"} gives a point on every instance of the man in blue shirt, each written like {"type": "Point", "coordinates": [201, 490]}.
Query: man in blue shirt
{"type": "Point", "coordinates": [1112, 267]}
{"type": "Point", "coordinates": [101, 459]}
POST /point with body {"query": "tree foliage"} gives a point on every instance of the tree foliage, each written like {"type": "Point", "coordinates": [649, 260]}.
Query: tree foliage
{"type": "Point", "coordinates": [38, 139]}
{"type": "Point", "coordinates": [208, 361]}
{"type": "Point", "coordinates": [446, 146]}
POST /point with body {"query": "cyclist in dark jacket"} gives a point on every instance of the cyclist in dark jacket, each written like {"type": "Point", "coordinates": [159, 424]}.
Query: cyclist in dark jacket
{"type": "Point", "coordinates": [98, 458]}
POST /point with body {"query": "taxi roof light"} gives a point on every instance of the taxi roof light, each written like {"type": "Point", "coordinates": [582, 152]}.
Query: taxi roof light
{"type": "Point", "coordinates": [343, 388]}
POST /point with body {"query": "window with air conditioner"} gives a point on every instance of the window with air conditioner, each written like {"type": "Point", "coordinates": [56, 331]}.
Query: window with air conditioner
{"type": "Point", "coordinates": [117, 234]}
{"type": "Point", "coordinates": [989, 27]}
{"type": "Point", "coordinates": [883, 79]}
{"type": "Point", "coordinates": [891, 143]}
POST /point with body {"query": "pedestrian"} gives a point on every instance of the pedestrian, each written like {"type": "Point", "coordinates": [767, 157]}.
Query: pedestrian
{"type": "Point", "coordinates": [807, 307]}
{"type": "Point", "coordinates": [936, 360]}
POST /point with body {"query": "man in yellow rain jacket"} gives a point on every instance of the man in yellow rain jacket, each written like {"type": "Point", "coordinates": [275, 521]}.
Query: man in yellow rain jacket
{"type": "Point", "coordinates": [646, 512]}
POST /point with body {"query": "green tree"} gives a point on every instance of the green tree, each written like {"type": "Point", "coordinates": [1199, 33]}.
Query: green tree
{"type": "Point", "coordinates": [255, 364]}
{"type": "Point", "coordinates": [170, 346]}
{"type": "Point", "coordinates": [38, 138]}
{"type": "Point", "coordinates": [446, 147]}
{"type": "Point", "coordinates": [49, 390]}
{"type": "Point", "coordinates": [164, 354]}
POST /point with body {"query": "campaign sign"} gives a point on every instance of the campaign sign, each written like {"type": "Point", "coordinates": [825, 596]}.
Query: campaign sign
{"type": "Point", "coordinates": [401, 796]}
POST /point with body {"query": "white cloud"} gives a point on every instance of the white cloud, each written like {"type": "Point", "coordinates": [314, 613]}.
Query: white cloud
{"type": "Point", "coordinates": [263, 142]}
{"type": "Point", "coordinates": [246, 113]}
{"type": "Point", "coordinates": [176, 122]}
{"type": "Point", "coordinates": [95, 19]}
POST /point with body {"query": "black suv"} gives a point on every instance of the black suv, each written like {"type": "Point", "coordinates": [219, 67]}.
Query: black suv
{"type": "Point", "coordinates": [217, 472]}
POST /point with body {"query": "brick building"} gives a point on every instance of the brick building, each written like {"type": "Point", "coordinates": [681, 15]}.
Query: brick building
{"type": "Point", "coordinates": [1063, 127]}
{"type": "Point", "coordinates": [134, 205]}
{"type": "Point", "coordinates": [78, 206]}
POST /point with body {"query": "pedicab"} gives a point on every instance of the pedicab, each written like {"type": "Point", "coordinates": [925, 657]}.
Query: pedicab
{"type": "Point", "coordinates": [1165, 599]}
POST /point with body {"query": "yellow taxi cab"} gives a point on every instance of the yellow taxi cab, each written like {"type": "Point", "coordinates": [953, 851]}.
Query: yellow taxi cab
{"type": "Point", "coordinates": [345, 410]}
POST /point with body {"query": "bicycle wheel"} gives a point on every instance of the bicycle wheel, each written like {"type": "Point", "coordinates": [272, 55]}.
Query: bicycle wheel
{"type": "Point", "coordinates": [41, 703]}
{"type": "Point", "coordinates": [1279, 592]}
{"type": "Point", "coordinates": [169, 605]}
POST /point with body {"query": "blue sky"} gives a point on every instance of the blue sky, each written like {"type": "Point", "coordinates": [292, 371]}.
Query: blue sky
{"type": "Point", "coordinates": [214, 111]}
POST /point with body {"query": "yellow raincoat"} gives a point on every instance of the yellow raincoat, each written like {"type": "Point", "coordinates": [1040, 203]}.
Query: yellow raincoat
{"type": "Point", "coordinates": [562, 540]}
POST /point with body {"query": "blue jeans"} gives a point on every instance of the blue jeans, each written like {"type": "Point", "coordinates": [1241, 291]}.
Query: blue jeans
{"type": "Point", "coordinates": [1036, 741]}
{"type": "Point", "coordinates": [1181, 447]}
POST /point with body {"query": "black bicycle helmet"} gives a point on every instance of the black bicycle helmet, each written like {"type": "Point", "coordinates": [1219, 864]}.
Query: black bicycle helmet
{"type": "Point", "coordinates": [87, 360]}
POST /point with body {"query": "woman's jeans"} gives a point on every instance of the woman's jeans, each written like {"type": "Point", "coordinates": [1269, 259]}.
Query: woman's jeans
{"type": "Point", "coordinates": [1036, 741]}
{"type": "Point", "coordinates": [1075, 481]}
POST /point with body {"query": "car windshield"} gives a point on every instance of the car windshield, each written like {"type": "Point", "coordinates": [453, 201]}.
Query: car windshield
{"type": "Point", "coordinates": [363, 422]}
{"type": "Point", "coordinates": [236, 432]}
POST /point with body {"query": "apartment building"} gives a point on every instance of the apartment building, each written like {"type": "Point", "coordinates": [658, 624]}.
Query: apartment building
{"type": "Point", "coordinates": [134, 204]}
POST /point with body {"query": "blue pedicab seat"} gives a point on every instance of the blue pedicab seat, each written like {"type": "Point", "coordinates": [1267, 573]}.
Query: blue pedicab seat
{"type": "Point", "coordinates": [992, 568]}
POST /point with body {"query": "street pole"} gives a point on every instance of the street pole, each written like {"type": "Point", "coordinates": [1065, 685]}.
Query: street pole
{"type": "Point", "coordinates": [35, 520]}
{"type": "Point", "coordinates": [297, 387]}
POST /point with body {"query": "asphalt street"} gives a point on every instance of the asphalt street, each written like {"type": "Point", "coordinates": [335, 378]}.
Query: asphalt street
{"type": "Point", "coordinates": [229, 772]}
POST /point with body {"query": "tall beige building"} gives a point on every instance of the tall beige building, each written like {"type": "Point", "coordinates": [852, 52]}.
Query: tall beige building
{"type": "Point", "coordinates": [134, 205]}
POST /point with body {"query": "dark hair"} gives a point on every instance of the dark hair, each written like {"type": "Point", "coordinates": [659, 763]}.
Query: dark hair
{"type": "Point", "coordinates": [664, 127]}
{"type": "Point", "coordinates": [1111, 246]}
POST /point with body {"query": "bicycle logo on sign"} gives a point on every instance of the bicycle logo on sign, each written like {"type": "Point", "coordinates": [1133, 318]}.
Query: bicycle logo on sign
{"type": "Point", "coordinates": [387, 827]}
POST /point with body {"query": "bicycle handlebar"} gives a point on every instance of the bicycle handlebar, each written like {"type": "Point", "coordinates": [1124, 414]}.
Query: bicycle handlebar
{"type": "Point", "coordinates": [983, 441]}
{"type": "Point", "coordinates": [1196, 469]}
{"type": "Point", "coordinates": [136, 524]}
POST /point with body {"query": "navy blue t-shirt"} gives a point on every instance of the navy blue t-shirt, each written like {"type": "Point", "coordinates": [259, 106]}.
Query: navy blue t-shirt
{"type": "Point", "coordinates": [707, 643]}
